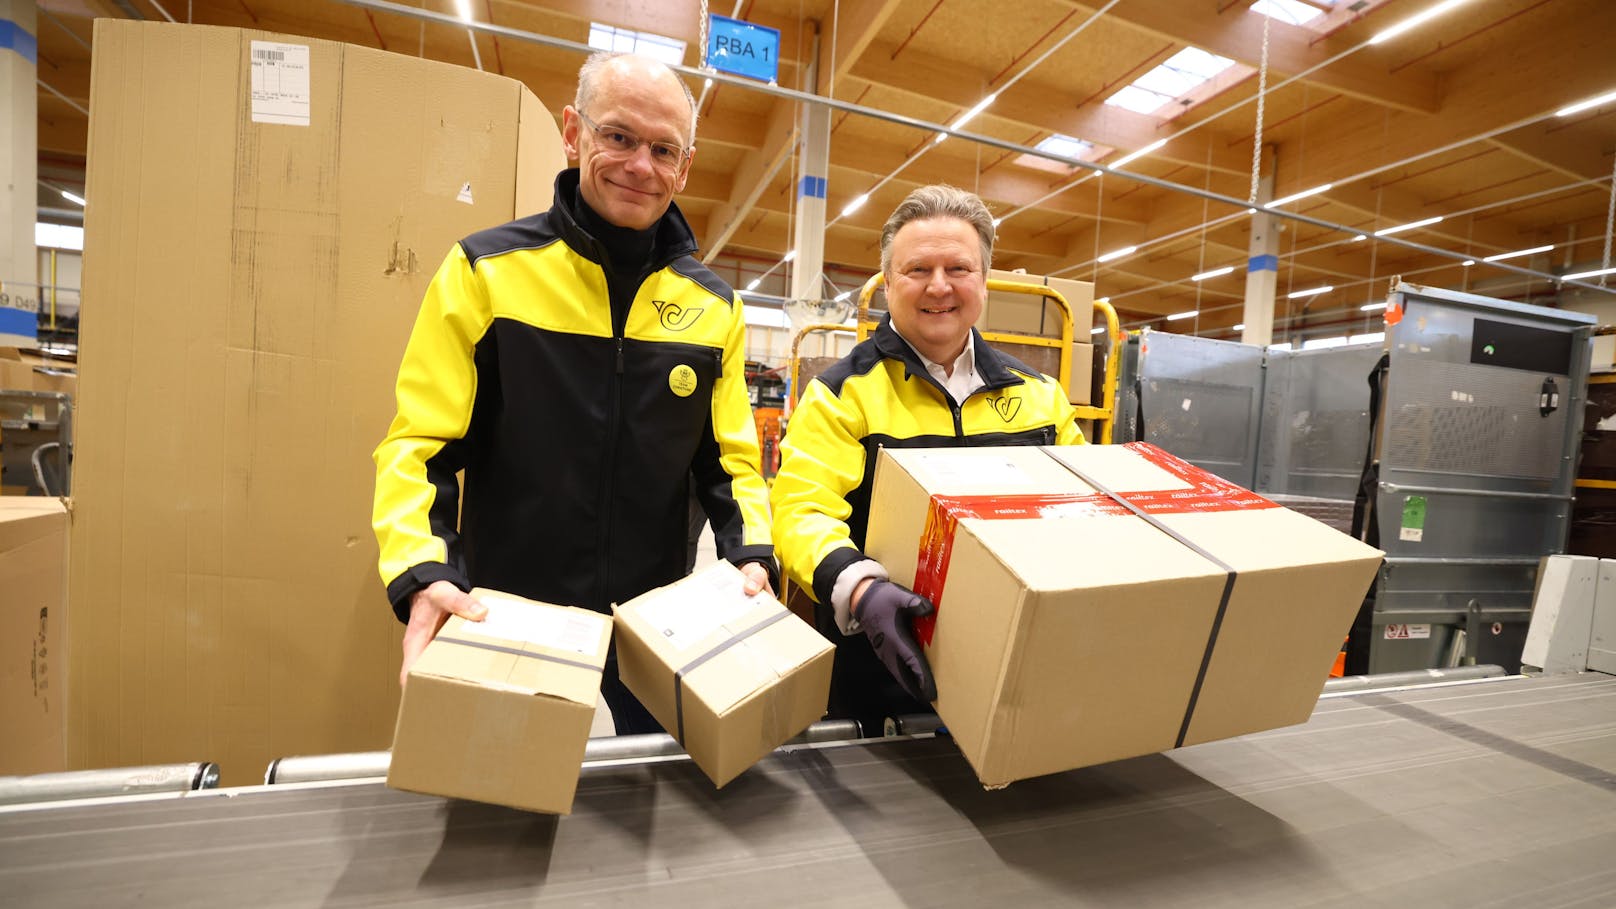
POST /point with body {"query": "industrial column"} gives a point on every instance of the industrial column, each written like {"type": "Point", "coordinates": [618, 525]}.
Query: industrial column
{"type": "Point", "coordinates": [19, 167]}
{"type": "Point", "coordinates": [1262, 266]}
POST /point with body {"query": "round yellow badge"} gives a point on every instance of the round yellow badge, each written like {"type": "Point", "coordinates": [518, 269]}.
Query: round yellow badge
{"type": "Point", "coordinates": [682, 380]}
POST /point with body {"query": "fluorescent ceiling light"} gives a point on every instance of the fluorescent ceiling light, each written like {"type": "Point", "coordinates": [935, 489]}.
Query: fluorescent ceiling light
{"type": "Point", "coordinates": [981, 106]}
{"type": "Point", "coordinates": [1581, 106]}
{"type": "Point", "coordinates": [1386, 232]}
{"type": "Point", "coordinates": [1310, 293]}
{"type": "Point", "coordinates": [1588, 274]}
{"type": "Point", "coordinates": [1103, 300]}
{"type": "Point", "coordinates": [1519, 252]}
{"type": "Point", "coordinates": [1301, 195]}
{"type": "Point", "coordinates": [1188, 314]}
{"type": "Point", "coordinates": [1468, 262]}
{"type": "Point", "coordinates": [1097, 329]}
{"type": "Point", "coordinates": [1118, 253]}
{"type": "Point", "coordinates": [842, 296]}
{"type": "Point", "coordinates": [1214, 273]}
{"type": "Point", "coordinates": [1371, 307]}
{"type": "Point", "coordinates": [1238, 326]}
{"type": "Point", "coordinates": [1138, 154]}
{"type": "Point", "coordinates": [856, 204]}
{"type": "Point", "coordinates": [997, 221]}
{"type": "Point", "coordinates": [79, 200]}
{"type": "Point", "coordinates": [464, 7]}
{"type": "Point", "coordinates": [1415, 20]}
{"type": "Point", "coordinates": [790, 254]}
{"type": "Point", "coordinates": [752, 284]}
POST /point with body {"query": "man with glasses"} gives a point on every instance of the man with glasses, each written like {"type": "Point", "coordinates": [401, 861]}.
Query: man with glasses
{"type": "Point", "coordinates": [583, 370]}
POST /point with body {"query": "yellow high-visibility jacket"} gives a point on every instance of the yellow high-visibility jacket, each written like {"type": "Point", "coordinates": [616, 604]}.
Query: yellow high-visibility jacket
{"type": "Point", "coordinates": [880, 395]}
{"type": "Point", "coordinates": [580, 406]}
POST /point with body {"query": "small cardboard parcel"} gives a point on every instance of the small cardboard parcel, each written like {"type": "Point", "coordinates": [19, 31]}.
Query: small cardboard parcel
{"type": "Point", "coordinates": [731, 676]}
{"type": "Point", "coordinates": [499, 710]}
{"type": "Point", "coordinates": [1100, 602]}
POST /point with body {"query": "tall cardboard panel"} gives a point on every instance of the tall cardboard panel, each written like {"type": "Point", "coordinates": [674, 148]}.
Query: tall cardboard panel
{"type": "Point", "coordinates": [253, 284]}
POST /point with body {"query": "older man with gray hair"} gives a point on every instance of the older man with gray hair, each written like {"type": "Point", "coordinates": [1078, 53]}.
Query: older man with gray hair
{"type": "Point", "coordinates": [924, 379]}
{"type": "Point", "coordinates": [583, 370]}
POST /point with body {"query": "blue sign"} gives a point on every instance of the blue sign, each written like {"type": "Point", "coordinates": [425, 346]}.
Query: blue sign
{"type": "Point", "coordinates": [744, 49]}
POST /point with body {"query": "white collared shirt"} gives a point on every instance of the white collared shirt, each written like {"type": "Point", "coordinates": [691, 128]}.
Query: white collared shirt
{"type": "Point", "coordinates": [963, 380]}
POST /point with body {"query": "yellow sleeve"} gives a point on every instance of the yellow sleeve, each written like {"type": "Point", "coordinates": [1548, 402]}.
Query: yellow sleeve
{"type": "Point", "coordinates": [416, 510]}
{"type": "Point", "coordinates": [728, 472]}
{"type": "Point", "coordinates": [821, 463]}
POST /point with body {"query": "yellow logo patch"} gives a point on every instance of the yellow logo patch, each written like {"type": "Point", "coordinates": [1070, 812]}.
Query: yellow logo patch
{"type": "Point", "coordinates": [682, 380]}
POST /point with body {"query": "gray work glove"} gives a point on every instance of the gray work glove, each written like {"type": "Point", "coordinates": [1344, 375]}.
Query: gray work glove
{"type": "Point", "coordinates": [887, 612]}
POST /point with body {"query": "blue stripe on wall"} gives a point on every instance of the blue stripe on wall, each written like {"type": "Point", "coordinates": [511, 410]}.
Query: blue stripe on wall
{"type": "Point", "coordinates": [18, 322]}
{"type": "Point", "coordinates": [812, 187]}
{"type": "Point", "coordinates": [15, 37]}
{"type": "Point", "coordinates": [1263, 263]}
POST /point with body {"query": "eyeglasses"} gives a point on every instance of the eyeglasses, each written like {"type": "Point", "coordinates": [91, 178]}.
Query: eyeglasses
{"type": "Point", "coordinates": [620, 143]}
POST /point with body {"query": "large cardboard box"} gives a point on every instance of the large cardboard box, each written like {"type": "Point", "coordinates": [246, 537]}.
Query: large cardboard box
{"type": "Point", "coordinates": [33, 601]}
{"type": "Point", "coordinates": [268, 211]}
{"type": "Point", "coordinates": [499, 710]}
{"type": "Point", "coordinates": [732, 677]}
{"type": "Point", "coordinates": [1099, 602]}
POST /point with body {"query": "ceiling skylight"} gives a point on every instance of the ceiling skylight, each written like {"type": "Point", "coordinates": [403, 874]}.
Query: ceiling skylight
{"type": "Point", "coordinates": [1066, 146]}
{"type": "Point", "coordinates": [1181, 74]}
{"type": "Point", "coordinates": [1291, 12]}
{"type": "Point", "coordinates": [627, 41]}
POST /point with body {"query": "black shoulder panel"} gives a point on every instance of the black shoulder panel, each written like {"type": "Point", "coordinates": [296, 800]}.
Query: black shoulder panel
{"type": "Point", "coordinates": [531, 232]}
{"type": "Point", "coordinates": [691, 267]}
{"type": "Point", "coordinates": [863, 359]}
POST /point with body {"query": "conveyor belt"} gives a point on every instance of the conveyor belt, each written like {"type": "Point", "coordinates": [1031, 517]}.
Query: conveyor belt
{"type": "Point", "coordinates": [1494, 793]}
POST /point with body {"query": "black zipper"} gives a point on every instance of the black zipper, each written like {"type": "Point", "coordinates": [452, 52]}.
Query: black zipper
{"type": "Point", "coordinates": [614, 409]}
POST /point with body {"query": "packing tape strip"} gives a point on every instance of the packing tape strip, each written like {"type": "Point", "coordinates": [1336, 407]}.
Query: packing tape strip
{"type": "Point", "coordinates": [516, 651]}
{"type": "Point", "coordinates": [679, 675]}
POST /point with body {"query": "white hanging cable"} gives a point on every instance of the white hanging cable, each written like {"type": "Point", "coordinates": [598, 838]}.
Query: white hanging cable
{"type": "Point", "coordinates": [701, 31]}
{"type": "Point", "coordinates": [1262, 91]}
{"type": "Point", "coordinates": [1610, 226]}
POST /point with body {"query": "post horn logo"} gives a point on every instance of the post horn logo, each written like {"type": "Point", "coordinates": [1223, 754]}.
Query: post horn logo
{"type": "Point", "coordinates": [1006, 406]}
{"type": "Point", "coordinates": [675, 317]}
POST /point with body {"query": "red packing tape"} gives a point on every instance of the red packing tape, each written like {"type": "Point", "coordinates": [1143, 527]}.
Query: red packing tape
{"type": "Point", "coordinates": [1206, 492]}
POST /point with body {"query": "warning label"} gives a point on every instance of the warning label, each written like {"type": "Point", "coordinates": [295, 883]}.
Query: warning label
{"type": "Point", "coordinates": [1396, 632]}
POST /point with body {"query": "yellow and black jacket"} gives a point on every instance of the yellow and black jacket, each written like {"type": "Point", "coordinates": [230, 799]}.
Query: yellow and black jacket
{"type": "Point", "coordinates": [581, 400]}
{"type": "Point", "coordinates": [881, 395]}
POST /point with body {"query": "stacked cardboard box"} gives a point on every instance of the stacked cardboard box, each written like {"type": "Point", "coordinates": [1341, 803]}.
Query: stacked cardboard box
{"type": "Point", "coordinates": [33, 600]}
{"type": "Point", "coordinates": [268, 211]}
{"type": "Point", "coordinates": [730, 676]}
{"type": "Point", "coordinates": [1028, 314]}
{"type": "Point", "coordinates": [1100, 602]}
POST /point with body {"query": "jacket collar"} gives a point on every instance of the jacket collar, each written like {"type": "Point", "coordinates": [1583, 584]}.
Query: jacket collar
{"type": "Point", "coordinates": [991, 365]}
{"type": "Point", "coordinates": [673, 237]}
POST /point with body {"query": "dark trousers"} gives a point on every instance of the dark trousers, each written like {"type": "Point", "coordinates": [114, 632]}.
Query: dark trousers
{"type": "Point", "coordinates": [629, 716]}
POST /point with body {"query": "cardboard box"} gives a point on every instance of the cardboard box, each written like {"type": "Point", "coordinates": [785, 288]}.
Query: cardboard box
{"type": "Point", "coordinates": [1026, 314]}
{"type": "Point", "coordinates": [731, 677]}
{"type": "Point", "coordinates": [33, 601]}
{"type": "Point", "coordinates": [266, 275]}
{"type": "Point", "coordinates": [1073, 630]}
{"type": "Point", "coordinates": [1080, 388]}
{"type": "Point", "coordinates": [499, 710]}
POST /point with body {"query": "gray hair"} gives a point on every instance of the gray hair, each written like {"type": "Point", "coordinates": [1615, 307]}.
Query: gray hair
{"type": "Point", "coordinates": [589, 79]}
{"type": "Point", "coordinates": [940, 200]}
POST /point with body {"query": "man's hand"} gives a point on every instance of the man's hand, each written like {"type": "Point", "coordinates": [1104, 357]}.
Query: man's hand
{"type": "Point", "coordinates": [887, 612]}
{"type": "Point", "coordinates": [430, 607]}
{"type": "Point", "coordinates": [757, 578]}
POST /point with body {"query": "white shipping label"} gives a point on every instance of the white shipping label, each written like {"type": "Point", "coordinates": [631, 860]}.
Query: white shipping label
{"type": "Point", "coordinates": [688, 614]}
{"type": "Point", "coordinates": [280, 83]}
{"type": "Point", "coordinates": [956, 470]}
{"type": "Point", "coordinates": [527, 624]}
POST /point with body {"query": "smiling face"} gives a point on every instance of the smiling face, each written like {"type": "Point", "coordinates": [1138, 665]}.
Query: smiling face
{"type": "Point", "coordinates": [639, 98]}
{"type": "Point", "coordinates": [936, 285]}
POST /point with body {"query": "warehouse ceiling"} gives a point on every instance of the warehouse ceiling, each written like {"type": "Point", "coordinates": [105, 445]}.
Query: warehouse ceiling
{"type": "Point", "coordinates": [1455, 118]}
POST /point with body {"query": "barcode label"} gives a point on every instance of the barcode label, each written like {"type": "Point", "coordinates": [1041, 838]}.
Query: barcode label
{"type": "Point", "coordinates": [280, 83]}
